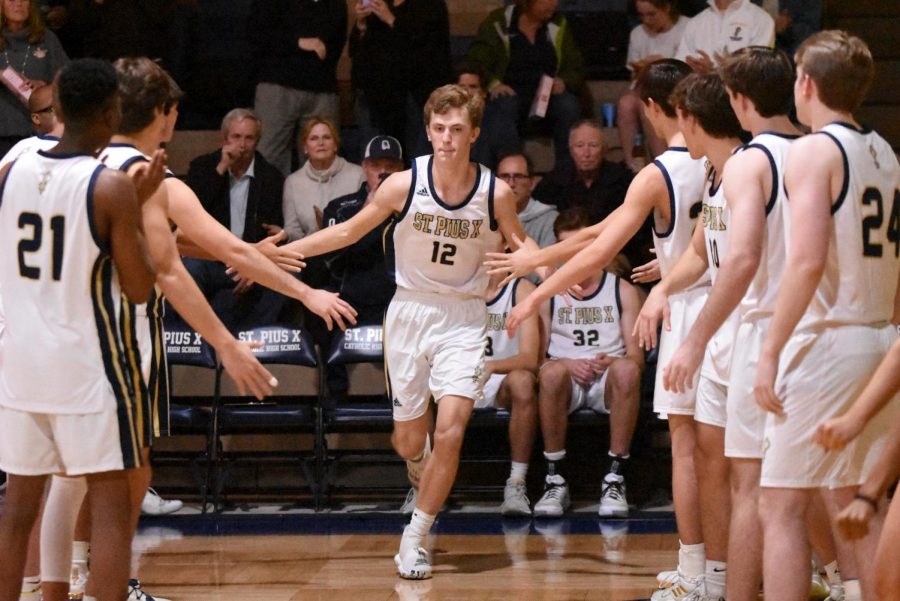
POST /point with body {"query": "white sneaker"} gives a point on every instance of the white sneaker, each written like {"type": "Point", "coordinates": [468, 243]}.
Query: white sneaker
{"type": "Point", "coordinates": [667, 578]}
{"type": "Point", "coordinates": [555, 500]}
{"type": "Point", "coordinates": [414, 565]}
{"type": "Point", "coordinates": [415, 469]}
{"type": "Point", "coordinates": [136, 594]}
{"type": "Point", "coordinates": [31, 591]}
{"type": "Point", "coordinates": [836, 593]}
{"type": "Point", "coordinates": [409, 505]}
{"type": "Point", "coordinates": [515, 499]}
{"type": "Point", "coordinates": [78, 579]}
{"type": "Point", "coordinates": [684, 589]}
{"type": "Point", "coordinates": [613, 503]}
{"type": "Point", "coordinates": [153, 504]}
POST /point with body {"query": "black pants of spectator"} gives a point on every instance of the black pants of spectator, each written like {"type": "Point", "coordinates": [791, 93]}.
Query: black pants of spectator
{"type": "Point", "coordinates": [257, 306]}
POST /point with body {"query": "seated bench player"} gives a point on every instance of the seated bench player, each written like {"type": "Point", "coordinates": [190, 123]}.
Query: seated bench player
{"type": "Point", "coordinates": [591, 361]}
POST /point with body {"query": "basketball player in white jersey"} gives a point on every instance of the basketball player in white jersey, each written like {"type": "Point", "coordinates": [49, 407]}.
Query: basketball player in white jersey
{"type": "Point", "coordinates": [671, 190]}
{"type": "Point", "coordinates": [73, 235]}
{"type": "Point", "coordinates": [591, 361]}
{"type": "Point", "coordinates": [510, 383]}
{"type": "Point", "coordinates": [831, 324]}
{"type": "Point", "coordinates": [449, 213]}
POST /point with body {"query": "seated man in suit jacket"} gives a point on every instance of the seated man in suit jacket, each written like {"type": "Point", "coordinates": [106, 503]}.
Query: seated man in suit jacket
{"type": "Point", "coordinates": [238, 187]}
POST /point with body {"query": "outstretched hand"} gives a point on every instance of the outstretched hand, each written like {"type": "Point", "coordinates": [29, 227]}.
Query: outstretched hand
{"type": "Point", "coordinates": [289, 260]}
{"type": "Point", "coordinates": [246, 370]}
{"type": "Point", "coordinates": [656, 307]}
{"type": "Point", "coordinates": [330, 307]}
{"type": "Point", "coordinates": [516, 264]}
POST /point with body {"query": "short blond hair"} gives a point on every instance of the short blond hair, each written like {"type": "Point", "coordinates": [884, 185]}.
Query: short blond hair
{"type": "Point", "coordinates": [841, 65]}
{"type": "Point", "coordinates": [453, 96]}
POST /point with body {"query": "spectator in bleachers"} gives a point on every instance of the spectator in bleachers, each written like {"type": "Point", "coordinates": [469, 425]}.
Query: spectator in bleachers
{"type": "Point", "coordinates": [242, 191]}
{"type": "Point", "coordinates": [498, 132]}
{"type": "Point", "coordinates": [537, 218]}
{"type": "Point", "coordinates": [795, 20]}
{"type": "Point", "coordinates": [592, 361]}
{"type": "Point", "coordinates": [725, 26]}
{"type": "Point", "coordinates": [401, 52]}
{"type": "Point", "coordinates": [520, 44]}
{"type": "Point", "coordinates": [35, 54]}
{"type": "Point", "coordinates": [297, 46]}
{"type": "Point", "coordinates": [658, 36]}
{"type": "Point", "coordinates": [599, 186]}
{"type": "Point", "coordinates": [47, 128]}
{"type": "Point", "coordinates": [324, 177]}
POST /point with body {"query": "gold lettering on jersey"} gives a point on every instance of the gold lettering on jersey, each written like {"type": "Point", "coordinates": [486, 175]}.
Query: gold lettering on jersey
{"type": "Point", "coordinates": [446, 227]}
{"type": "Point", "coordinates": [594, 315]}
{"type": "Point", "coordinates": [45, 179]}
{"type": "Point", "coordinates": [714, 218]}
{"type": "Point", "coordinates": [497, 322]}
{"type": "Point", "coordinates": [564, 315]}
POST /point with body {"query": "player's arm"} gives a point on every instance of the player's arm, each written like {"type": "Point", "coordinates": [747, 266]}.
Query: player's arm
{"type": "Point", "coordinates": [690, 267]}
{"type": "Point", "coordinates": [618, 228]}
{"type": "Point", "coordinates": [835, 433]}
{"type": "Point", "coordinates": [524, 261]}
{"type": "Point", "coordinates": [631, 307]}
{"type": "Point", "coordinates": [529, 340]}
{"type": "Point", "coordinates": [198, 225]}
{"type": "Point", "coordinates": [117, 216]}
{"type": "Point", "coordinates": [390, 199]}
{"type": "Point", "coordinates": [747, 180]}
{"type": "Point", "coordinates": [282, 256]}
{"type": "Point", "coordinates": [813, 175]}
{"type": "Point", "coordinates": [184, 294]}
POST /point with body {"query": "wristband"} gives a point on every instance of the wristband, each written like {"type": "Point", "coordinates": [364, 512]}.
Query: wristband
{"type": "Point", "coordinates": [867, 499]}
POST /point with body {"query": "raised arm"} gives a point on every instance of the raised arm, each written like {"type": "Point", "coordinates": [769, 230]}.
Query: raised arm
{"type": "Point", "coordinates": [614, 232]}
{"type": "Point", "coordinates": [809, 159]}
{"type": "Point", "coordinates": [747, 180]}
{"type": "Point", "coordinates": [198, 225]}
{"type": "Point", "coordinates": [390, 199]}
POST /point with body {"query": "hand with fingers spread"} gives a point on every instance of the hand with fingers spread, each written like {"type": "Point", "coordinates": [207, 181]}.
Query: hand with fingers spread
{"type": "Point", "coordinates": [283, 256]}
{"type": "Point", "coordinates": [330, 307]}
{"type": "Point", "coordinates": [656, 307]}
{"type": "Point", "coordinates": [700, 62]}
{"type": "Point", "coordinates": [678, 375]}
{"type": "Point", "coordinates": [245, 369]}
{"type": "Point", "coordinates": [147, 177]}
{"type": "Point", "coordinates": [764, 385]}
{"type": "Point", "coordinates": [519, 263]}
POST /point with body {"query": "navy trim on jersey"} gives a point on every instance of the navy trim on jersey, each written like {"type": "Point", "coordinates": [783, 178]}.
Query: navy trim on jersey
{"type": "Point", "coordinates": [860, 130]}
{"type": "Point", "coordinates": [499, 294]}
{"type": "Point", "coordinates": [779, 135]}
{"type": "Point", "coordinates": [92, 223]}
{"type": "Point", "coordinates": [515, 284]}
{"type": "Point", "coordinates": [846, 185]}
{"type": "Point", "coordinates": [49, 137]}
{"type": "Point", "coordinates": [671, 190]}
{"type": "Point", "coordinates": [597, 291]}
{"type": "Point", "coordinates": [492, 221]}
{"type": "Point", "coordinates": [132, 354]}
{"type": "Point", "coordinates": [65, 155]}
{"type": "Point", "coordinates": [773, 196]}
{"type": "Point", "coordinates": [678, 148]}
{"type": "Point", "coordinates": [412, 190]}
{"type": "Point", "coordinates": [131, 161]}
{"type": "Point", "coordinates": [552, 310]}
{"type": "Point", "coordinates": [618, 295]}
{"type": "Point", "coordinates": [158, 382]}
{"type": "Point", "coordinates": [437, 198]}
{"type": "Point", "coordinates": [5, 179]}
{"type": "Point", "coordinates": [387, 246]}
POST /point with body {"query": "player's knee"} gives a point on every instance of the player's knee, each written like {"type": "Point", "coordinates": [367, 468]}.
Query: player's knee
{"type": "Point", "coordinates": [624, 376]}
{"type": "Point", "coordinates": [408, 444]}
{"type": "Point", "coordinates": [521, 388]}
{"type": "Point", "coordinates": [774, 508]}
{"type": "Point", "coordinates": [553, 376]}
{"type": "Point", "coordinates": [448, 439]}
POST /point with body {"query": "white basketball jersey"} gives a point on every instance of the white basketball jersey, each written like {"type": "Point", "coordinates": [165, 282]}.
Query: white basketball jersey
{"type": "Point", "coordinates": [860, 278]}
{"type": "Point", "coordinates": [32, 144]}
{"type": "Point", "coordinates": [716, 217]}
{"type": "Point", "coordinates": [500, 345]}
{"type": "Point", "coordinates": [61, 348]}
{"type": "Point", "coordinates": [759, 301]}
{"type": "Point", "coordinates": [591, 325]}
{"type": "Point", "coordinates": [438, 248]}
{"type": "Point", "coordinates": [685, 179]}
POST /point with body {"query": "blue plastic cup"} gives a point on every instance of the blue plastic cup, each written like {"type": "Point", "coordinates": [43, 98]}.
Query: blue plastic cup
{"type": "Point", "coordinates": [609, 114]}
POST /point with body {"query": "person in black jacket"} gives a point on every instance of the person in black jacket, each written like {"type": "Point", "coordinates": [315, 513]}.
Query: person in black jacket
{"type": "Point", "coordinates": [238, 187]}
{"type": "Point", "coordinates": [297, 45]}
{"type": "Point", "coordinates": [401, 52]}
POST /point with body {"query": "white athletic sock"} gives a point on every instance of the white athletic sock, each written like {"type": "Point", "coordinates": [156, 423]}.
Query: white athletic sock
{"type": "Point", "coordinates": [31, 584]}
{"type": "Point", "coordinates": [691, 560]}
{"type": "Point", "coordinates": [555, 455]}
{"type": "Point", "coordinates": [58, 527]}
{"type": "Point", "coordinates": [88, 598]}
{"type": "Point", "coordinates": [833, 573]}
{"type": "Point", "coordinates": [518, 471]}
{"type": "Point", "coordinates": [852, 590]}
{"type": "Point", "coordinates": [81, 551]}
{"type": "Point", "coordinates": [416, 531]}
{"type": "Point", "coordinates": [715, 578]}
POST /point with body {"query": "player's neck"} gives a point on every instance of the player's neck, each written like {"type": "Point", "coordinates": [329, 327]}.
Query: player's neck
{"type": "Point", "coordinates": [589, 286]}
{"type": "Point", "coordinates": [821, 116]}
{"type": "Point", "coordinates": [673, 136]}
{"type": "Point", "coordinates": [719, 150]}
{"type": "Point", "coordinates": [779, 124]}
{"type": "Point", "coordinates": [453, 180]}
{"type": "Point", "coordinates": [144, 141]}
{"type": "Point", "coordinates": [87, 142]}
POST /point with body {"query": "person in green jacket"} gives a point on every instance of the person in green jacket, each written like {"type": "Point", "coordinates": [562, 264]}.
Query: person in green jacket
{"type": "Point", "coordinates": [517, 46]}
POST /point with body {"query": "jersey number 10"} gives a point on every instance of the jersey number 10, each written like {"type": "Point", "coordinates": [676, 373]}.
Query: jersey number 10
{"type": "Point", "coordinates": [33, 244]}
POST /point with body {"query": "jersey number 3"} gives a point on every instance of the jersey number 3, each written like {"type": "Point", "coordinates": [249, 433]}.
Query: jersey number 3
{"type": "Point", "coordinates": [35, 223]}
{"type": "Point", "coordinates": [872, 248]}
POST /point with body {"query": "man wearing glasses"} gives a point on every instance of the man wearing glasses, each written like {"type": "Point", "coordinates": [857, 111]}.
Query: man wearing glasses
{"type": "Point", "coordinates": [47, 127]}
{"type": "Point", "coordinates": [537, 218]}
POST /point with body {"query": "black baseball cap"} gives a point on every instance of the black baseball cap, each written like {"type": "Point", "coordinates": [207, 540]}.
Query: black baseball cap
{"type": "Point", "coordinates": [383, 147]}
